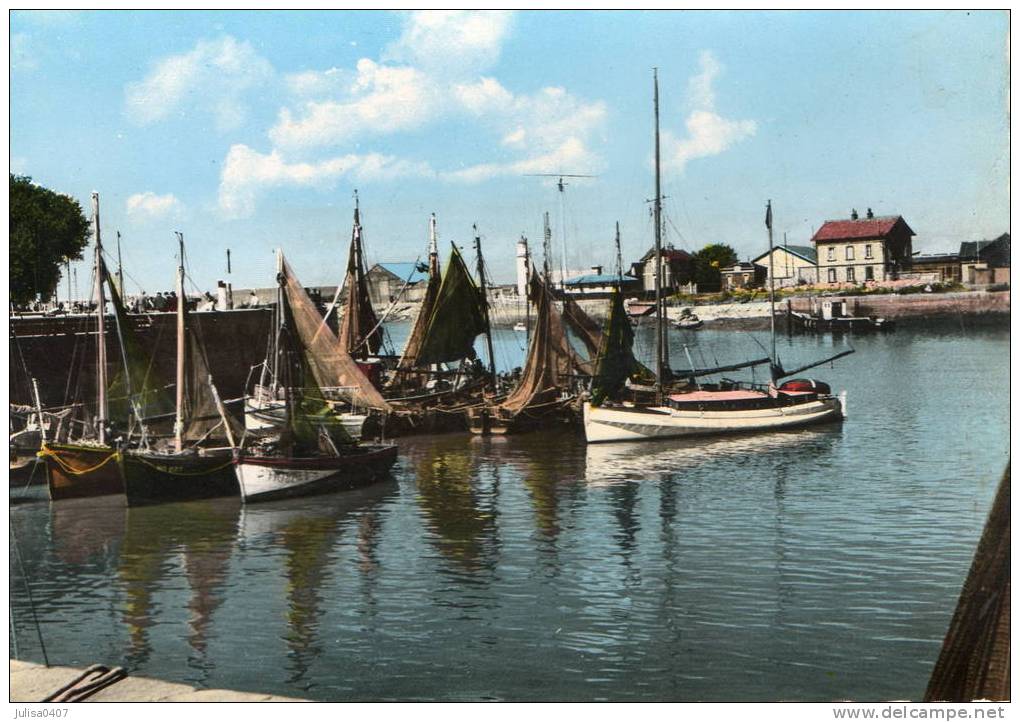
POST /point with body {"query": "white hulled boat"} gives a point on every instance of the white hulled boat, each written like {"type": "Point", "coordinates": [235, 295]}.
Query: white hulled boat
{"type": "Point", "coordinates": [701, 409]}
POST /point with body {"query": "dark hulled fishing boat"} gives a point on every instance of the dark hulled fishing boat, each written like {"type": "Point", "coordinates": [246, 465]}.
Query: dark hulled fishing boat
{"type": "Point", "coordinates": [198, 462]}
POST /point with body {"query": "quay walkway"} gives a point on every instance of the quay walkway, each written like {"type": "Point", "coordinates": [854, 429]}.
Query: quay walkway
{"type": "Point", "coordinates": [34, 682]}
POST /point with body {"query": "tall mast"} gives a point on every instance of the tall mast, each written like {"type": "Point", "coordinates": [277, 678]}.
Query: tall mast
{"type": "Point", "coordinates": [660, 346]}
{"type": "Point", "coordinates": [179, 417]}
{"type": "Point", "coordinates": [527, 289]}
{"type": "Point", "coordinates": [102, 411]}
{"type": "Point", "coordinates": [772, 291]}
{"type": "Point", "coordinates": [120, 272]}
{"type": "Point", "coordinates": [485, 306]}
{"type": "Point", "coordinates": [279, 318]}
{"type": "Point", "coordinates": [619, 257]}
{"type": "Point", "coordinates": [546, 247]}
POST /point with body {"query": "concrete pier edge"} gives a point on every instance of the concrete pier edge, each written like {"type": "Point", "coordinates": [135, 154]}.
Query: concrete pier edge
{"type": "Point", "coordinates": [32, 682]}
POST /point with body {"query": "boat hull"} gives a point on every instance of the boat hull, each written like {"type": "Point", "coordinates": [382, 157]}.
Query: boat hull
{"type": "Point", "coordinates": [270, 416]}
{"type": "Point", "coordinates": [74, 472]}
{"type": "Point", "coordinates": [607, 424]}
{"type": "Point", "coordinates": [151, 478]}
{"type": "Point", "coordinates": [266, 478]}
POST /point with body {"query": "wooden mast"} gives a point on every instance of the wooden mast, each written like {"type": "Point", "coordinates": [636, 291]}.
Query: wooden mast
{"type": "Point", "coordinates": [773, 367]}
{"type": "Point", "coordinates": [485, 306]}
{"type": "Point", "coordinates": [102, 413]}
{"type": "Point", "coordinates": [660, 349]}
{"type": "Point", "coordinates": [120, 272]}
{"type": "Point", "coordinates": [179, 416]}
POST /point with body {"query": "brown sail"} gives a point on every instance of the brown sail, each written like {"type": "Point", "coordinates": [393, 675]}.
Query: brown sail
{"type": "Point", "coordinates": [360, 334]}
{"type": "Point", "coordinates": [327, 355]}
{"type": "Point", "coordinates": [550, 359]}
{"type": "Point", "coordinates": [408, 361]}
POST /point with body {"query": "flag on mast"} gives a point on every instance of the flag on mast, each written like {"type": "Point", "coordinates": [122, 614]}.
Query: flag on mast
{"type": "Point", "coordinates": [768, 216]}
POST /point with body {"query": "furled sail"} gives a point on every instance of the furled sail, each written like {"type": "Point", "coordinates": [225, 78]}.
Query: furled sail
{"type": "Point", "coordinates": [550, 359]}
{"type": "Point", "coordinates": [416, 340]}
{"type": "Point", "coordinates": [360, 334]}
{"type": "Point", "coordinates": [137, 388]}
{"type": "Point", "coordinates": [615, 362]}
{"type": "Point", "coordinates": [456, 319]}
{"type": "Point", "coordinates": [327, 356]}
{"type": "Point", "coordinates": [201, 414]}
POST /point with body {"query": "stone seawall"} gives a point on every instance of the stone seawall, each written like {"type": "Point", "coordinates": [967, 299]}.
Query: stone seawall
{"type": "Point", "coordinates": [60, 352]}
{"type": "Point", "coordinates": [915, 305]}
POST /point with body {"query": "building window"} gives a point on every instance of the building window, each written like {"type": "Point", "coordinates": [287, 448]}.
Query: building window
{"type": "Point", "coordinates": [832, 275]}
{"type": "Point", "coordinates": [850, 274]}
{"type": "Point", "coordinates": [867, 251]}
{"type": "Point", "coordinates": [869, 272]}
{"type": "Point", "coordinates": [832, 253]}
{"type": "Point", "coordinates": [849, 253]}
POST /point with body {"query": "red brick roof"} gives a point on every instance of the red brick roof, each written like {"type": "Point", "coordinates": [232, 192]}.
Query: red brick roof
{"type": "Point", "coordinates": [861, 228]}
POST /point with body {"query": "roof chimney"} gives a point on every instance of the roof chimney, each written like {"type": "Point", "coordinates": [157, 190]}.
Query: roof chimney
{"type": "Point", "coordinates": [597, 269]}
{"type": "Point", "coordinates": [853, 214]}
{"type": "Point", "coordinates": [870, 214]}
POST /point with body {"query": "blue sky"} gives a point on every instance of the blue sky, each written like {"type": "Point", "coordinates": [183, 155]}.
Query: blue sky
{"type": "Point", "coordinates": [251, 130]}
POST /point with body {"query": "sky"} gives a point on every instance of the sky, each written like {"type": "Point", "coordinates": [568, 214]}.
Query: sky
{"type": "Point", "coordinates": [251, 130]}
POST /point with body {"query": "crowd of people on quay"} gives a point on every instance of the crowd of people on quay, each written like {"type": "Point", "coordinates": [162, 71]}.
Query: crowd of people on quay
{"type": "Point", "coordinates": [160, 302]}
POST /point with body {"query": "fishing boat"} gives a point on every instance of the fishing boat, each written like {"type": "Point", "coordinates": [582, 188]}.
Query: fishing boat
{"type": "Point", "coordinates": [545, 393]}
{"type": "Point", "coordinates": [312, 453]}
{"type": "Point", "coordinates": [89, 465]}
{"type": "Point", "coordinates": [197, 463]}
{"type": "Point", "coordinates": [691, 408]}
{"type": "Point", "coordinates": [346, 368]}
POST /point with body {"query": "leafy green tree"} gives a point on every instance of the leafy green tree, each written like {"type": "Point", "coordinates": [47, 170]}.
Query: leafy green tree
{"type": "Point", "coordinates": [708, 265]}
{"type": "Point", "coordinates": [47, 228]}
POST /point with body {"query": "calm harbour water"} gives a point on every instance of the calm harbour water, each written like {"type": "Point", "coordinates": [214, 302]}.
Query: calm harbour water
{"type": "Point", "coordinates": [815, 565]}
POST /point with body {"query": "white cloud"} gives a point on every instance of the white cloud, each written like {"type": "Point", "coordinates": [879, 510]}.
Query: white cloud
{"type": "Point", "coordinates": [551, 127]}
{"type": "Point", "coordinates": [216, 75]}
{"type": "Point", "coordinates": [708, 133]}
{"type": "Point", "coordinates": [246, 173]}
{"type": "Point", "coordinates": [571, 155]}
{"type": "Point", "coordinates": [314, 83]}
{"type": "Point", "coordinates": [451, 41]}
{"type": "Point", "coordinates": [380, 99]}
{"type": "Point", "coordinates": [149, 205]}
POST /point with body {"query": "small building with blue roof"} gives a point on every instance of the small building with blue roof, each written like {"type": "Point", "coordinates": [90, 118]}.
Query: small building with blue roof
{"type": "Point", "coordinates": [598, 284]}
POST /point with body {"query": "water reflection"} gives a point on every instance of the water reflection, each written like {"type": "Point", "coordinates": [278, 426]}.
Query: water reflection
{"type": "Point", "coordinates": [308, 532]}
{"type": "Point", "coordinates": [607, 464]}
{"type": "Point", "coordinates": [461, 509]}
{"type": "Point", "coordinates": [158, 541]}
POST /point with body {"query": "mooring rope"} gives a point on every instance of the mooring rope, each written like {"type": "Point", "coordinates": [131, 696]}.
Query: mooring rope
{"type": "Point", "coordinates": [82, 687]}
{"type": "Point", "coordinates": [55, 455]}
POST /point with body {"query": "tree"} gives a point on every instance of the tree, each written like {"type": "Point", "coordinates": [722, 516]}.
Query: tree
{"type": "Point", "coordinates": [708, 265]}
{"type": "Point", "coordinates": [47, 229]}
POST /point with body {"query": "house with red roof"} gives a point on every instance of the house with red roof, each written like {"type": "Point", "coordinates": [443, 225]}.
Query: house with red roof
{"type": "Point", "coordinates": [873, 248]}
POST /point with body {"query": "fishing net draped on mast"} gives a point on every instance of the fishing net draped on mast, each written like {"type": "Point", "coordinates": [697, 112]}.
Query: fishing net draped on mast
{"type": "Point", "coordinates": [550, 360]}
{"type": "Point", "coordinates": [326, 355]}
{"type": "Point", "coordinates": [615, 362]}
